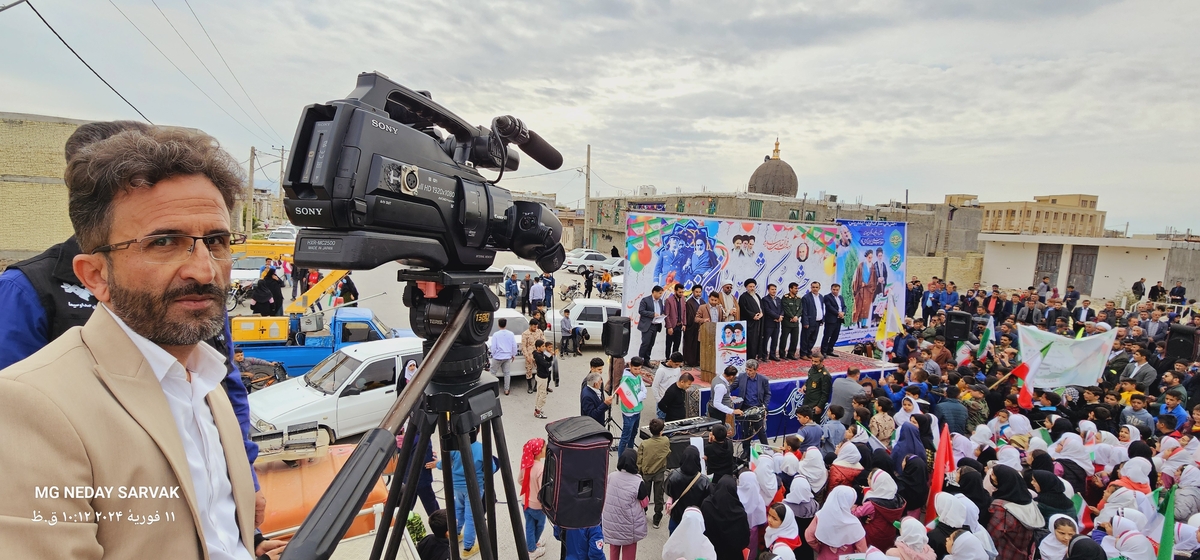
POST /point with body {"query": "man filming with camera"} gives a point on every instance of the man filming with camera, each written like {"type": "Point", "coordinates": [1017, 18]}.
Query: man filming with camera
{"type": "Point", "coordinates": [129, 407]}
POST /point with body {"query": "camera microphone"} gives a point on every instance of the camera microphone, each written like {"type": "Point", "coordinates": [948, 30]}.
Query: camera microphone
{"type": "Point", "coordinates": [513, 130]}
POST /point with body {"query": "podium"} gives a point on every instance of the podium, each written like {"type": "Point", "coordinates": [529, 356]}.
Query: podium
{"type": "Point", "coordinates": [708, 351]}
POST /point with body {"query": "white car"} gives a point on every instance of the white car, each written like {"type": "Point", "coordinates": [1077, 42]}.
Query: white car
{"type": "Point", "coordinates": [614, 265]}
{"type": "Point", "coordinates": [581, 262]}
{"type": "Point", "coordinates": [247, 270]}
{"type": "Point", "coordinates": [520, 270]}
{"type": "Point", "coordinates": [347, 393]}
{"type": "Point", "coordinates": [282, 235]}
{"type": "Point", "coordinates": [591, 314]}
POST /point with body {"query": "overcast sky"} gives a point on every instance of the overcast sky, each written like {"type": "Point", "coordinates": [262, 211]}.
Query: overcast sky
{"type": "Point", "coordinates": [1003, 99]}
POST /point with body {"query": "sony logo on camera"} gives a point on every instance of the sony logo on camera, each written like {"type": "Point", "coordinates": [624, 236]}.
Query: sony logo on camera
{"type": "Point", "coordinates": [307, 211]}
{"type": "Point", "coordinates": [384, 126]}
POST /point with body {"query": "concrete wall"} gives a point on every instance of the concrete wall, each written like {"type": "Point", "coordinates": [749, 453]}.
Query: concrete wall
{"type": "Point", "coordinates": [963, 271]}
{"type": "Point", "coordinates": [34, 214]}
{"type": "Point", "coordinates": [1117, 268]}
{"type": "Point", "coordinates": [1183, 264]}
{"type": "Point", "coordinates": [1011, 265]}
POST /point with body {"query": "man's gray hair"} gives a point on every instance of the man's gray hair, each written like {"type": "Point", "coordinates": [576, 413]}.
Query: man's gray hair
{"type": "Point", "coordinates": [752, 364]}
{"type": "Point", "coordinates": [591, 379]}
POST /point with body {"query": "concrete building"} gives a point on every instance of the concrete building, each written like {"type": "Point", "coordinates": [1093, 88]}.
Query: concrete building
{"type": "Point", "coordinates": [1099, 267]}
{"type": "Point", "coordinates": [34, 214]}
{"type": "Point", "coordinates": [1071, 215]}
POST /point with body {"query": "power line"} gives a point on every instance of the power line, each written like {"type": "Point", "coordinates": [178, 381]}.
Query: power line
{"type": "Point", "coordinates": [610, 184]}
{"type": "Point", "coordinates": [205, 66]}
{"type": "Point", "coordinates": [235, 78]}
{"type": "Point", "coordinates": [89, 66]}
{"type": "Point", "coordinates": [188, 78]}
{"type": "Point", "coordinates": [542, 174]}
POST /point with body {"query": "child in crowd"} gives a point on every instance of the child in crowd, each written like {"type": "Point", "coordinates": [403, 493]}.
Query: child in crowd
{"type": "Point", "coordinates": [652, 464]}
{"type": "Point", "coordinates": [718, 454]}
{"type": "Point", "coordinates": [882, 425]}
{"type": "Point", "coordinates": [1137, 414]}
{"type": "Point", "coordinates": [533, 461]}
{"type": "Point", "coordinates": [436, 544]}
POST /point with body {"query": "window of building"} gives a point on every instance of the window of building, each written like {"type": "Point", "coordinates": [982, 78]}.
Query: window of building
{"type": "Point", "coordinates": [793, 214]}
{"type": "Point", "coordinates": [810, 215]}
{"type": "Point", "coordinates": [680, 206]}
{"type": "Point", "coordinates": [1092, 204]}
{"type": "Point", "coordinates": [755, 208]}
{"type": "Point", "coordinates": [1039, 214]}
{"type": "Point", "coordinates": [1092, 219]}
{"type": "Point", "coordinates": [1056, 216]}
{"type": "Point", "coordinates": [1053, 201]}
{"type": "Point", "coordinates": [1027, 212]}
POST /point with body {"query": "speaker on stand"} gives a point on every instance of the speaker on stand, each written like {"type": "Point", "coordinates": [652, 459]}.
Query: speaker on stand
{"type": "Point", "coordinates": [958, 328]}
{"type": "Point", "coordinates": [615, 339]}
{"type": "Point", "coordinates": [1181, 343]}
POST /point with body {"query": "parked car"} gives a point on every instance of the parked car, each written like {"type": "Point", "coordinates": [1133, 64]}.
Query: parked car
{"type": "Point", "coordinates": [348, 393]}
{"type": "Point", "coordinates": [578, 264]}
{"type": "Point", "coordinates": [282, 234]}
{"type": "Point", "coordinates": [614, 265]}
{"type": "Point", "coordinates": [520, 270]}
{"type": "Point", "coordinates": [247, 270]}
{"type": "Point", "coordinates": [589, 314]}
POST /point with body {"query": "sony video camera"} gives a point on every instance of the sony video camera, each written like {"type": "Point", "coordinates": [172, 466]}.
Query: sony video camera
{"type": "Point", "coordinates": [381, 184]}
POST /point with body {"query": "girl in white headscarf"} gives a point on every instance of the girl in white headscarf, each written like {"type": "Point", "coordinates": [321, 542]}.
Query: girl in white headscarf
{"type": "Point", "coordinates": [1126, 541]}
{"type": "Point", "coordinates": [1088, 431]}
{"type": "Point", "coordinates": [974, 526]}
{"type": "Point", "coordinates": [1186, 538]}
{"type": "Point", "coordinates": [1062, 529]}
{"type": "Point", "coordinates": [1121, 498]}
{"type": "Point", "coordinates": [963, 545]}
{"type": "Point", "coordinates": [1127, 434]}
{"type": "Point", "coordinates": [1008, 455]}
{"type": "Point", "coordinates": [1171, 457]}
{"type": "Point", "coordinates": [812, 468]}
{"type": "Point", "coordinates": [756, 509]}
{"type": "Point", "coordinates": [768, 483]}
{"type": "Point", "coordinates": [835, 531]}
{"type": "Point", "coordinates": [1135, 475]}
{"type": "Point", "coordinates": [781, 528]}
{"type": "Point", "coordinates": [901, 416]}
{"type": "Point", "coordinates": [688, 540]}
{"type": "Point", "coordinates": [846, 466]}
{"type": "Point", "coordinates": [982, 438]}
{"type": "Point", "coordinates": [913, 542]}
{"type": "Point", "coordinates": [961, 447]}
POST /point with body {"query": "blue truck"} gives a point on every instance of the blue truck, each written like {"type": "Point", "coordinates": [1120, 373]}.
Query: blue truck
{"type": "Point", "coordinates": [312, 338]}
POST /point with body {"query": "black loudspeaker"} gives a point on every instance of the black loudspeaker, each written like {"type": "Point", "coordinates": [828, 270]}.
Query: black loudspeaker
{"type": "Point", "coordinates": [576, 472]}
{"type": "Point", "coordinates": [1181, 343]}
{"type": "Point", "coordinates": [615, 337]}
{"type": "Point", "coordinates": [958, 327]}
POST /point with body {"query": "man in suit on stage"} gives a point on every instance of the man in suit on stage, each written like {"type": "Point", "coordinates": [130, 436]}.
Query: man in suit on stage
{"type": "Point", "coordinates": [835, 313]}
{"type": "Point", "coordinates": [1083, 314]}
{"type": "Point", "coordinates": [651, 317]}
{"type": "Point", "coordinates": [750, 311]}
{"type": "Point", "coordinates": [812, 313]}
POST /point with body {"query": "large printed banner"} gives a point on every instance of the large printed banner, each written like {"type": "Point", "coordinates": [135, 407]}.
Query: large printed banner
{"type": "Point", "coordinates": [731, 346]}
{"type": "Point", "coordinates": [1069, 361]}
{"type": "Point", "coordinates": [667, 249]}
{"type": "Point", "coordinates": [871, 269]}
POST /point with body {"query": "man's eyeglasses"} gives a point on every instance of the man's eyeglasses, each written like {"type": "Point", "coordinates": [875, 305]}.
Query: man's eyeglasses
{"type": "Point", "coordinates": [171, 248]}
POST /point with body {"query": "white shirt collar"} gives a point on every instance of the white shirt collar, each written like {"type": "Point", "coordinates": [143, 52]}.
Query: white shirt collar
{"type": "Point", "coordinates": [206, 364]}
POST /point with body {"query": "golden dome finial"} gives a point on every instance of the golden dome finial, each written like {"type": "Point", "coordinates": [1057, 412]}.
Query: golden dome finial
{"type": "Point", "coordinates": [775, 154]}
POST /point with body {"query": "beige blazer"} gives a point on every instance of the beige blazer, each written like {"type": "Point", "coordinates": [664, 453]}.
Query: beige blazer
{"type": "Point", "coordinates": [87, 411]}
{"type": "Point", "coordinates": [704, 313]}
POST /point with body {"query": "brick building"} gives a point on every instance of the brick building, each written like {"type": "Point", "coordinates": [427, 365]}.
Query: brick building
{"type": "Point", "coordinates": [34, 214]}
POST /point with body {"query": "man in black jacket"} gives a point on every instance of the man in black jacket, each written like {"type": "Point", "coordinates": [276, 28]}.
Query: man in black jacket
{"type": "Point", "coordinates": [750, 311]}
{"type": "Point", "coordinates": [592, 400]}
{"type": "Point", "coordinates": [812, 313]}
{"type": "Point", "coordinates": [772, 309]}
{"type": "Point", "coordinates": [835, 314]}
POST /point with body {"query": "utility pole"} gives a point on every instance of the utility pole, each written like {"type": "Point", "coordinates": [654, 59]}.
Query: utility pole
{"type": "Point", "coordinates": [587, 199]}
{"type": "Point", "coordinates": [248, 215]}
{"type": "Point", "coordinates": [282, 164]}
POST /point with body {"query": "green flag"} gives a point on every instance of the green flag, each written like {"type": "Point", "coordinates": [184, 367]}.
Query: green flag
{"type": "Point", "coordinates": [1166, 544]}
{"type": "Point", "coordinates": [989, 333]}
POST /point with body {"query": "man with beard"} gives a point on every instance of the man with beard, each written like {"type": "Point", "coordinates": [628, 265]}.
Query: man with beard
{"type": "Point", "coordinates": [43, 299]}
{"type": "Point", "coordinates": [131, 399]}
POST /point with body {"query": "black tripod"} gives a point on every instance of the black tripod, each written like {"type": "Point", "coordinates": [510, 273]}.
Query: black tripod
{"type": "Point", "coordinates": [456, 398]}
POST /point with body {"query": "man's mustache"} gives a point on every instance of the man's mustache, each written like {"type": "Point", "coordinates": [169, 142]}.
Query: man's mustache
{"type": "Point", "coordinates": [193, 289]}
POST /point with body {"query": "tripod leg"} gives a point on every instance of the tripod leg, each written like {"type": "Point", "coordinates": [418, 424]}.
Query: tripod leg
{"type": "Point", "coordinates": [448, 483]}
{"type": "Point", "coordinates": [510, 491]}
{"type": "Point", "coordinates": [475, 496]}
{"type": "Point", "coordinates": [489, 485]}
{"type": "Point", "coordinates": [408, 495]}
{"type": "Point", "coordinates": [394, 492]}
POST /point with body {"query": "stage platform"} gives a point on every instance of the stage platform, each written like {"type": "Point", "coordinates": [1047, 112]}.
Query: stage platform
{"type": "Point", "coordinates": [787, 385]}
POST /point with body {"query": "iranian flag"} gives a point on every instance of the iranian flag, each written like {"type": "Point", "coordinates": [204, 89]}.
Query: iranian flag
{"type": "Point", "coordinates": [963, 355]}
{"type": "Point", "coordinates": [943, 462]}
{"type": "Point", "coordinates": [1023, 371]}
{"type": "Point", "coordinates": [1166, 542]}
{"type": "Point", "coordinates": [989, 334]}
